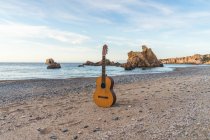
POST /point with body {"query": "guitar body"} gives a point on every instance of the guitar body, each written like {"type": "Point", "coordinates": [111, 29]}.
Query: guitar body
{"type": "Point", "coordinates": [104, 95]}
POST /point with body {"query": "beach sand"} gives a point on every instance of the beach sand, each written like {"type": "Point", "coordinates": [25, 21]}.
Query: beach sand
{"type": "Point", "coordinates": [174, 105]}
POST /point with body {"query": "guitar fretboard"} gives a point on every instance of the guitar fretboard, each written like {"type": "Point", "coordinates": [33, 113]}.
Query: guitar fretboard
{"type": "Point", "coordinates": [103, 69]}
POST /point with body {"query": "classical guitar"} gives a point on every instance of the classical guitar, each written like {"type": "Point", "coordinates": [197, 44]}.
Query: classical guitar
{"type": "Point", "coordinates": [104, 95]}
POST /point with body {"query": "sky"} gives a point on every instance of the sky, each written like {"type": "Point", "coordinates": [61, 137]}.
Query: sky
{"type": "Point", "coordinates": [76, 30]}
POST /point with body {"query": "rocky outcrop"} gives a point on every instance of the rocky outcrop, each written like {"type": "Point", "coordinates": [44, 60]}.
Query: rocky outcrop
{"type": "Point", "coordinates": [195, 59]}
{"type": "Point", "coordinates": [82, 65]}
{"type": "Point", "coordinates": [52, 64]}
{"type": "Point", "coordinates": [146, 58]}
{"type": "Point", "coordinates": [108, 63]}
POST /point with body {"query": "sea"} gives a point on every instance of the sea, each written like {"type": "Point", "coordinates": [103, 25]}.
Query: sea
{"type": "Point", "coordinates": [22, 71]}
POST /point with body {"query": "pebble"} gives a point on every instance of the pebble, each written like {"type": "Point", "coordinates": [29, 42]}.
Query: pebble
{"type": "Point", "coordinates": [129, 106]}
{"type": "Point", "coordinates": [115, 118]}
{"type": "Point", "coordinates": [75, 137]}
{"type": "Point", "coordinates": [86, 126]}
{"type": "Point", "coordinates": [53, 137]}
{"type": "Point", "coordinates": [79, 132]}
{"type": "Point", "coordinates": [96, 129]}
{"type": "Point", "coordinates": [64, 130]}
{"type": "Point", "coordinates": [106, 136]}
{"type": "Point", "coordinates": [132, 119]}
{"type": "Point", "coordinates": [185, 133]}
{"type": "Point", "coordinates": [42, 131]}
{"type": "Point", "coordinates": [99, 119]}
{"type": "Point", "coordinates": [139, 120]}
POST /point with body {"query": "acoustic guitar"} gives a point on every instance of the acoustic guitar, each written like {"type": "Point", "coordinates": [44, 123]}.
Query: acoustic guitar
{"type": "Point", "coordinates": [104, 95]}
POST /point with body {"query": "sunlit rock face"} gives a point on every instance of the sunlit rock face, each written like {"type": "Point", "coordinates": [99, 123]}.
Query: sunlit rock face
{"type": "Point", "coordinates": [52, 64]}
{"type": "Point", "coordinates": [146, 58]}
{"type": "Point", "coordinates": [195, 59]}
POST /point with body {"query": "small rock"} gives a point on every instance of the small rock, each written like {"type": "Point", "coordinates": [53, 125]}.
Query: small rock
{"type": "Point", "coordinates": [115, 118]}
{"type": "Point", "coordinates": [139, 120]}
{"type": "Point", "coordinates": [18, 125]}
{"type": "Point", "coordinates": [64, 130]}
{"type": "Point", "coordinates": [53, 137]}
{"type": "Point", "coordinates": [2, 118]}
{"type": "Point", "coordinates": [75, 137]}
{"type": "Point", "coordinates": [79, 132]}
{"type": "Point", "coordinates": [86, 126]}
{"type": "Point", "coordinates": [132, 119]}
{"type": "Point", "coordinates": [96, 129]}
{"type": "Point", "coordinates": [140, 111]}
{"type": "Point", "coordinates": [44, 130]}
{"type": "Point", "coordinates": [99, 119]}
{"type": "Point", "coordinates": [129, 106]}
{"type": "Point", "coordinates": [185, 133]}
{"type": "Point", "coordinates": [106, 136]}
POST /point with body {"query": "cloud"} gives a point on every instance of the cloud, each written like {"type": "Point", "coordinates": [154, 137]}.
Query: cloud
{"type": "Point", "coordinates": [122, 41]}
{"type": "Point", "coordinates": [124, 24]}
{"type": "Point", "coordinates": [21, 8]}
{"type": "Point", "coordinates": [22, 31]}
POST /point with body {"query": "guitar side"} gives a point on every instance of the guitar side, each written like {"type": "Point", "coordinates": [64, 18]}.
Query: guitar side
{"type": "Point", "coordinates": [104, 97]}
{"type": "Point", "coordinates": [112, 91]}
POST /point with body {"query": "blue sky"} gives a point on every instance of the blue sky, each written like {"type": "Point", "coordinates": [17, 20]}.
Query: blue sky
{"type": "Point", "coordinates": [75, 30]}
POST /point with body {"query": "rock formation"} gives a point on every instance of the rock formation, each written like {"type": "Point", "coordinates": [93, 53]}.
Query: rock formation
{"type": "Point", "coordinates": [52, 64]}
{"type": "Point", "coordinates": [195, 59]}
{"type": "Point", "coordinates": [146, 58]}
{"type": "Point", "coordinates": [108, 63]}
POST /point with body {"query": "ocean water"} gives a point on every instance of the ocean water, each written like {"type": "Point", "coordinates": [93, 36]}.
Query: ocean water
{"type": "Point", "coordinates": [20, 71]}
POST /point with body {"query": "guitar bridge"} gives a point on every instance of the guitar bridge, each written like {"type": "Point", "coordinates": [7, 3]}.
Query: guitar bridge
{"type": "Point", "coordinates": [103, 97]}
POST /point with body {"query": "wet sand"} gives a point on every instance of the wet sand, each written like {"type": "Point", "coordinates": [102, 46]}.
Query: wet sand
{"type": "Point", "coordinates": [174, 105]}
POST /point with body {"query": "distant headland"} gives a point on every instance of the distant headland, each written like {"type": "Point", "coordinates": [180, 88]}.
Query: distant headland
{"type": "Point", "coordinates": [194, 59]}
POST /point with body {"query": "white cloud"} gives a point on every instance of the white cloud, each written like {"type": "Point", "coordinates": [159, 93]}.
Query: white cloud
{"type": "Point", "coordinates": [21, 8]}
{"type": "Point", "coordinates": [22, 31]}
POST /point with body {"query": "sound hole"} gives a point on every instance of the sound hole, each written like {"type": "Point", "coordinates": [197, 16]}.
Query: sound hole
{"type": "Point", "coordinates": [103, 85]}
{"type": "Point", "coordinates": [103, 97]}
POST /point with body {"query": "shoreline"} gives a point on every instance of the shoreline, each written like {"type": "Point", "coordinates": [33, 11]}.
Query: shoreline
{"type": "Point", "coordinates": [20, 90]}
{"type": "Point", "coordinates": [30, 72]}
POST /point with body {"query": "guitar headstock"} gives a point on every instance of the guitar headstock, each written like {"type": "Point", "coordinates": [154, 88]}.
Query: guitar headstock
{"type": "Point", "coordinates": [105, 50]}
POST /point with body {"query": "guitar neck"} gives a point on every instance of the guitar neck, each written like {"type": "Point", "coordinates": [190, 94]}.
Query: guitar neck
{"type": "Point", "coordinates": [103, 68]}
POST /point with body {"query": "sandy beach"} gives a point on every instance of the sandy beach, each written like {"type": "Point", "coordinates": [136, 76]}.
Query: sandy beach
{"type": "Point", "coordinates": [173, 105]}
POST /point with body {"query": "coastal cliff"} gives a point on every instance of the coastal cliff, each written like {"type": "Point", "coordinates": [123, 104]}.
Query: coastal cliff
{"type": "Point", "coordinates": [146, 58]}
{"type": "Point", "coordinates": [195, 59]}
